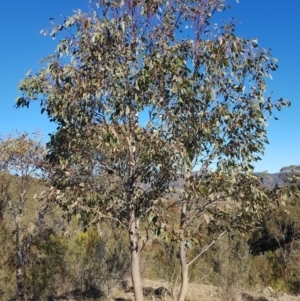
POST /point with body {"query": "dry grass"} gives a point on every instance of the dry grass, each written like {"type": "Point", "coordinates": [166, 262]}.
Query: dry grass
{"type": "Point", "coordinates": [196, 292]}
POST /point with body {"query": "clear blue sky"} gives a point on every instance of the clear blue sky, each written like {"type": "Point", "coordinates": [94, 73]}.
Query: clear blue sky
{"type": "Point", "coordinates": [274, 23]}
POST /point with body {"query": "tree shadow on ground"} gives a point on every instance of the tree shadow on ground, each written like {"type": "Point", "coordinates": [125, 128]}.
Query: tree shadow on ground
{"type": "Point", "coordinates": [77, 294]}
{"type": "Point", "coordinates": [247, 297]}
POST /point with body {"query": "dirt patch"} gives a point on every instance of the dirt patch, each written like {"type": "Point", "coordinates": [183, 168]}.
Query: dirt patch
{"type": "Point", "coordinates": [161, 290]}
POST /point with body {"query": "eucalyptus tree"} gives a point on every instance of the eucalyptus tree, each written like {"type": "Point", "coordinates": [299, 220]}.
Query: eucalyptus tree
{"type": "Point", "coordinates": [201, 86]}
{"type": "Point", "coordinates": [22, 170]}
{"type": "Point", "coordinates": [217, 112]}
{"type": "Point", "coordinates": [291, 175]}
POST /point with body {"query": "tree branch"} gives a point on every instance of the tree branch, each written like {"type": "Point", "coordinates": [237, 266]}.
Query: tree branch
{"type": "Point", "coordinates": [207, 247]}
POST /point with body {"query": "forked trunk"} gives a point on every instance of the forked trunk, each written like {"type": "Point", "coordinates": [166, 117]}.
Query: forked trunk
{"type": "Point", "coordinates": [135, 261]}
{"type": "Point", "coordinates": [182, 252]}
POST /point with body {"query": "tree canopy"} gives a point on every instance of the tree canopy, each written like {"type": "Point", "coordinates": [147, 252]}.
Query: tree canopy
{"type": "Point", "coordinates": [202, 87]}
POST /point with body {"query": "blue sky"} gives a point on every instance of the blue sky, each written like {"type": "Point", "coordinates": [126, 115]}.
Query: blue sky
{"type": "Point", "coordinates": [276, 25]}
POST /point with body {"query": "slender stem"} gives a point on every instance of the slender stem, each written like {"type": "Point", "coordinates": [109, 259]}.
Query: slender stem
{"type": "Point", "coordinates": [207, 247]}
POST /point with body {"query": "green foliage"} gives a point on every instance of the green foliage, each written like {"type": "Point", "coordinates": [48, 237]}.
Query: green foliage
{"type": "Point", "coordinates": [22, 169]}
{"type": "Point", "coordinates": [7, 272]}
{"type": "Point", "coordinates": [46, 269]}
{"type": "Point", "coordinates": [232, 266]}
{"type": "Point", "coordinates": [204, 95]}
{"type": "Point", "coordinates": [282, 228]}
{"type": "Point", "coordinates": [63, 261]}
{"type": "Point", "coordinates": [158, 260]}
{"type": "Point", "coordinates": [95, 260]}
{"type": "Point", "coordinates": [262, 271]}
{"type": "Point", "coordinates": [204, 91]}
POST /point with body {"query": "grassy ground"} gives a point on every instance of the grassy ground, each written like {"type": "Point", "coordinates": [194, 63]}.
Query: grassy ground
{"type": "Point", "coordinates": [196, 292]}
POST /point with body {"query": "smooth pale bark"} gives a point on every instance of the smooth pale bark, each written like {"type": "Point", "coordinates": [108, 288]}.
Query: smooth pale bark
{"type": "Point", "coordinates": [135, 261]}
{"type": "Point", "coordinates": [132, 221]}
{"type": "Point", "coordinates": [182, 251]}
{"type": "Point", "coordinates": [183, 260]}
{"type": "Point", "coordinates": [184, 272]}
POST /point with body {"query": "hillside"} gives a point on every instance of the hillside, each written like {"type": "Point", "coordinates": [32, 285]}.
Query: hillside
{"type": "Point", "coordinates": [268, 179]}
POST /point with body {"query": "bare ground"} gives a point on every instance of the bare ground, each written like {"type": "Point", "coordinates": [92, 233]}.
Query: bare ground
{"type": "Point", "coordinates": [196, 292]}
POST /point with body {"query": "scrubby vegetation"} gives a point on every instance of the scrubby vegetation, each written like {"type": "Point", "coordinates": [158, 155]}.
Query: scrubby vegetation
{"type": "Point", "coordinates": [67, 257]}
{"type": "Point", "coordinates": [175, 190]}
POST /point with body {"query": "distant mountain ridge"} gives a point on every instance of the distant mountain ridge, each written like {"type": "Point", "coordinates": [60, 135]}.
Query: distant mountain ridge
{"type": "Point", "coordinates": [269, 180]}
{"type": "Point", "coordinates": [272, 179]}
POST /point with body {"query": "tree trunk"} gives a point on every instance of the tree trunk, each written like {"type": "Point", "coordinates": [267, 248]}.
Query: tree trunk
{"type": "Point", "coordinates": [20, 283]}
{"type": "Point", "coordinates": [182, 252]}
{"type": "Point", "coordinates": [20, 261]}
{"type": "Point", "coordinates": [132, 219]}
{"type": "Point", "coordinates": [184, 272]}
{"type": "Point", "coordinates": [1, 212]}
{"type": "Point", "coordinates": [135, 261]}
